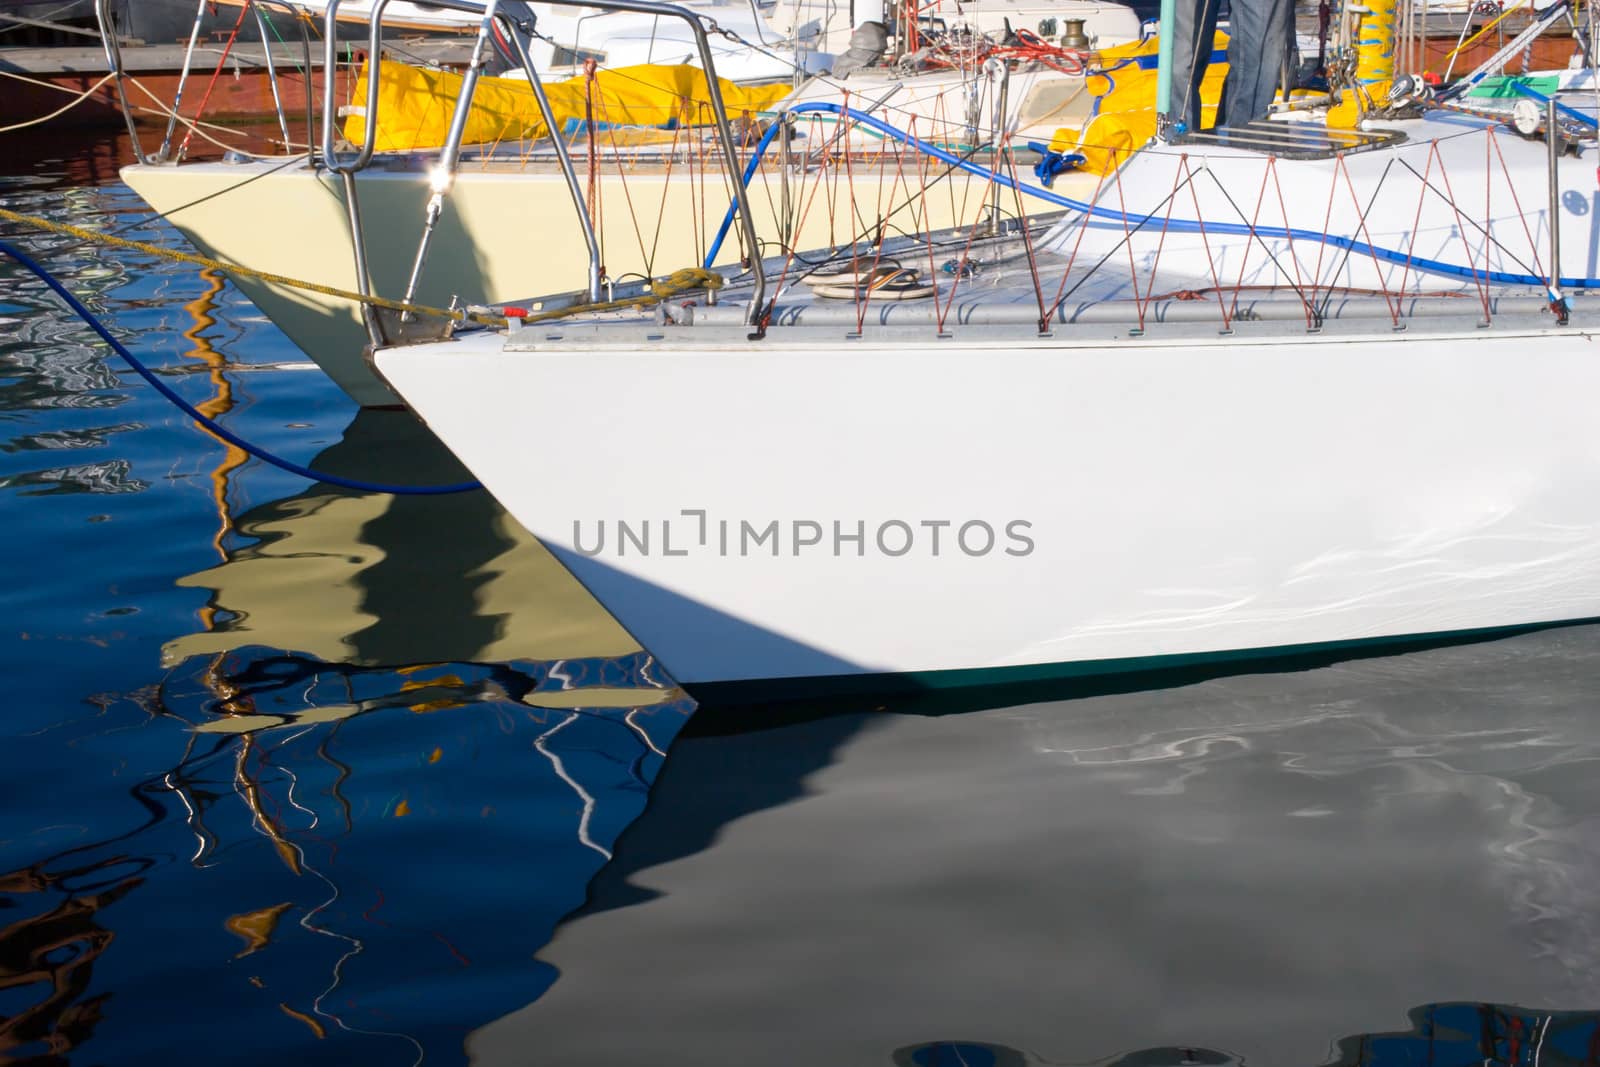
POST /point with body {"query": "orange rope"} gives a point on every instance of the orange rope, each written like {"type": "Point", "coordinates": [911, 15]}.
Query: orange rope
{"type": "Point", "coordinates": [1472, 263]}
{"type": "Point", "coordinates": [1027, 235]}
{"type": "Point", "coordinates": [1083, 228]}
{"type": "Point", "coordinates": [1205, 241]}
{"type": "Point", "coordinates": [943, 313]}
{"type": "Point", "coordinates": [1327, 221]}
{"type": "Point", "coordinates": [1251, 238]}
{"type": "Point", "coordinates": [1143, 302]}
{"type": "Point", "coordinates": [1127, 236]}
{"type": "Point", "coordinates": [1366, 235]}
{"type": "Point", "coordinates": [1283, 208]}
{"type": "Point", "coordinates": [622, 174]}
{"type": "Point", "coordinates": [788, 260]}
{"type": "Point", "coordinates": [1030, 48]}
{"type": "Point", "coordinates": [666, 182]}
{"type": "Point", "coordinates": [1516, 203]}
{"type": "Point", "coordinates": [1416, 220]}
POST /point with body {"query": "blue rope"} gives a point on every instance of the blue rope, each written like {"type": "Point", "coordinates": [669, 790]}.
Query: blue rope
{"type": "Point", "coordinates": [1109, 215]}
{"type": "Point", "coordinates": [211, 426]}
{"type": "Point", "coordinates": [1533, 94]}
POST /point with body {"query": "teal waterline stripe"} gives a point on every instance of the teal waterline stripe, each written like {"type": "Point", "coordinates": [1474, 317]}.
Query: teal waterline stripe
{"type": "Point", "coordinates": [1130, 673]}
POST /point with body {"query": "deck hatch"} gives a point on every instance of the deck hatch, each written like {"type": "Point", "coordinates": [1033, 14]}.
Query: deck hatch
{"type": "Point", "coordinates": [1294, 140]}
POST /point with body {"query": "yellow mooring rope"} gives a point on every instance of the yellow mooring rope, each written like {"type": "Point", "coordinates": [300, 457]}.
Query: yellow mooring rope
{"type": "Point", "coordinates": [679, 281]}
{"type": "Point", "coordinates": [241, 271]}
{"type": "Point", "coordinates": [682, 281]}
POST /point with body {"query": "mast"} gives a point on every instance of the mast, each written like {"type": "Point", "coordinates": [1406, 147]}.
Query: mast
{"type": "Point", "coordinates": [1165, 40]}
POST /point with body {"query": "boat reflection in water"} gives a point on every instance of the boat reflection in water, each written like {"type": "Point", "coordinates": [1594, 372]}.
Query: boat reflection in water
{"type": "Point", "coordinates": [1257, 863]}
{"type": "Point", "coordinates": [405, 741]}
{"type": "Point", "coordinates": [48, 954]}
{"type": "Point", "coordinates": [377, 883]}
{"type": "Point", "coordinates": [1441, 1035]}
{"type": "Point", "coordinates": [369, 579]}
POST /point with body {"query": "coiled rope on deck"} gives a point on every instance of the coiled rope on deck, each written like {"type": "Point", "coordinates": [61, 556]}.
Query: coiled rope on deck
{"type": "Point", "coordinates": [210, 425]}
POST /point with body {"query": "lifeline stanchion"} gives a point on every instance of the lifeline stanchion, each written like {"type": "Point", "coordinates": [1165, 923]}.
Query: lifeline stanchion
{"type": "Point", "coordinates": [208, 424]}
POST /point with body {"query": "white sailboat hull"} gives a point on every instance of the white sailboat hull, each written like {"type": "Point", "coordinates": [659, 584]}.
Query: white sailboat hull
{"type": "Point", "coordinates": [1173, 495]}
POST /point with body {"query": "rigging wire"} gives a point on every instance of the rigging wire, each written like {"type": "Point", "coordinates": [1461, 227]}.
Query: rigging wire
{"type": "Point", "coordinates": [1093, 213]}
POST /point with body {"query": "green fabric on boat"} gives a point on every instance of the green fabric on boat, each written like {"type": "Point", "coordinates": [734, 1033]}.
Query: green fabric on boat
{"type": "Point", "coordinates": [1504, 86]}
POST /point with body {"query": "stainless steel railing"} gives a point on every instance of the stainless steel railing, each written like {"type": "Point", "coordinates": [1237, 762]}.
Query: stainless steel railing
{"type": "Point", "coordinates": [442, 177]}
{"type": "Point", "coordinates": [517, 18]}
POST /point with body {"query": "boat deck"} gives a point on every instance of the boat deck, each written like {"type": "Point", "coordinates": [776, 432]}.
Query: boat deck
{"type": "Point", "coordinates": [996, 301]}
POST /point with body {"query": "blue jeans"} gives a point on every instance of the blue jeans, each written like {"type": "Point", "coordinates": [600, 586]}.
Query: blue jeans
{"type": "Point", "coordinates": [1260, 36]}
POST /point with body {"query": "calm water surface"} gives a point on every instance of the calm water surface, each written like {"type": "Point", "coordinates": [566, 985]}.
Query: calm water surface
{"type": "Point", "coordinates": [297, 774]}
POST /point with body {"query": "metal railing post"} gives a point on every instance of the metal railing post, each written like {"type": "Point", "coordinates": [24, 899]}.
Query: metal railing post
{"type": "Point", "coordinates": [347, 170]}
{"type": "Point", "coordinates": [294, 15]}
{"type": "Point", "coordinates": [272, 74]}
{"type": "Point", "coordinates": [183, 80]}
{"type": "Point", "coordinates": [998, 140]}
{"type": "Point", "coordinates": [719, 110]}
{"type": "Point", "coordinates": [330, 103]}
{"type": "Point", "coordinates": [563, 156]}
{"type": "Point", "coordinates": [1553, 155]}
{"type": "Point", "coordinates": [443, 175]}
{"type": "Point", "coordinates": [113, 50]}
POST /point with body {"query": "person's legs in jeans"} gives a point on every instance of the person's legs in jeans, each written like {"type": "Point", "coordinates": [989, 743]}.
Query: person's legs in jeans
{"type": "Point", "coordinates": [1194, 34]}
{"type": "Point", "coordinates": [1259, 34]}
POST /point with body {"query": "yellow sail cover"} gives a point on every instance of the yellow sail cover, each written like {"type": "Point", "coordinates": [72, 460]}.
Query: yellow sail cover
{"type": "Point", "coordinates": [1126, 116]}
{"type": "Point", "coordinates": [415, 104]}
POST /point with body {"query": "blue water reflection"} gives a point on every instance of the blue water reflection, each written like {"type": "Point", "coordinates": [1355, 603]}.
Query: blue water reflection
{"type": "Point", "coordinates": [287, 771]}
{"type": "Point", "coordinates": [363, 856]}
